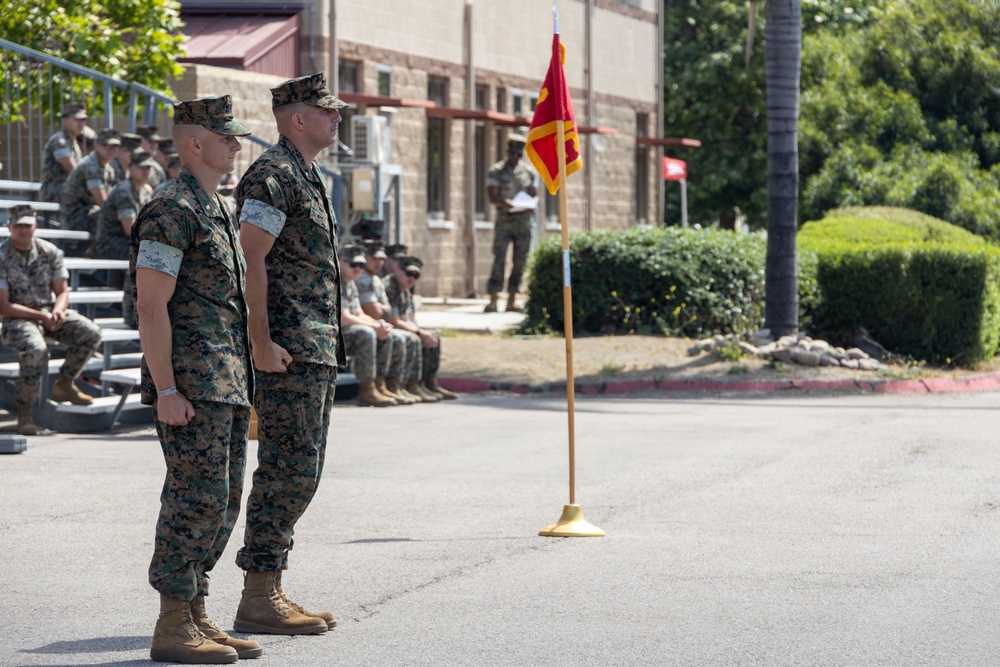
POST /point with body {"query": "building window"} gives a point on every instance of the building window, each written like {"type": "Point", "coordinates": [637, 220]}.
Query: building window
{"type": "Point", "coordinates": [502, 100]}
{"type": "Point", "coordinates": [517, 106]}
{"type": "Point", "coordinates": [349, 77]}
{"type": "Point", "coordinates": [482, 97]}
{"type": "Point", "coordinates": [385, 82]}
{"type": "Point", "coordinates": [437, 150]}
{"type": "Point", "coordinates": [641, 171]}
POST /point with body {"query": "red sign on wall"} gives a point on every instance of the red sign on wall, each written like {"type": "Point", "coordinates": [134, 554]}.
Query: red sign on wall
{"type": "Point", "coordinates": [674, 170]}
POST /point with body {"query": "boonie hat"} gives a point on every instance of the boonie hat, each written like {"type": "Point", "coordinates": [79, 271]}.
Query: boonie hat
{"type": "Point", "coordinates": [212, 113]}
{"type": "Point", "coordinates": [22, 214]}
{"type": "Point", "coordinates": [109, 137]}
{"type": "Point", "coordinates": [75, 110]}
{"type": "Point", "coordinates": [311, 90]}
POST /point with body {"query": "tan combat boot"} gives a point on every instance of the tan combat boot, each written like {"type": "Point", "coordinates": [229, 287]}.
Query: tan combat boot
{"type": "Point", "coordinates": [421, 392]}
{"type": "Point", "coordinates": [401, 396]}
{"type": "Point", "coordinates": [512, 303]}
{"type": "Point", "coordinates": [491, 307]}
{"type": "Point", "coordinates": [177, 639]}
{"type": "Point", "coordinates": [382, 388]}
{"type": "Point", "coordinates": [263, 610]}
{"type": "Point", "coordinates": [327, 617]}
{"type": "Point", "coordinates": [245, 648]}
{"type": "Point", "coordinates": [368, 395]}
{"type": "Point", "coordinates": [432, 385]}
{"type": "Point", "coordinates": [25, 421]}
{"type": "Point", "coordinates": [64, 390]}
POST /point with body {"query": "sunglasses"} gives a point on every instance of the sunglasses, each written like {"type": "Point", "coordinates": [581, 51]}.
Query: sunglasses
{"type": "Point", "coordinates": [415, 276]}
{"type": "Point", "coordinates": [358, 265]}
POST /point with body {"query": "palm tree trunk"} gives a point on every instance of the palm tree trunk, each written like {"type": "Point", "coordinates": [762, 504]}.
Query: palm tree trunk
{"type": "Point", "coordinates": [783, 51]}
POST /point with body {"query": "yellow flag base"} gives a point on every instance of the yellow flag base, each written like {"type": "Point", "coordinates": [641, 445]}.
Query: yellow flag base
{"type": "Point", "coordinates": [571, 524]}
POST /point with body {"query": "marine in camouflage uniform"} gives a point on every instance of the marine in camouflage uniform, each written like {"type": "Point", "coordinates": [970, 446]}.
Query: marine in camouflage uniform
{"type": "Point", "coordinates": [61, 145]}
{"type": "Point", "coordinates": [33, 289]}
{"type": "Point", "coordinates": [289, 236]}
{"type": "Point", "coordinates": [130, 142]}
{"type": "Point", "coordinates": [197, 375]}
{"type": "Point", "coordinates": [80, 208]}
{"type": "Point", "coordinates": [150, 142]}
{"type": "Point", "coordinates": [405, 363]}
{"type": "Point", "coordinates": [505, 179]}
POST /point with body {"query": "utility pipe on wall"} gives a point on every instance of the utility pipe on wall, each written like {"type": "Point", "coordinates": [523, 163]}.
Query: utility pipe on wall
{"type": "Point", "coordinates": [471, 265]}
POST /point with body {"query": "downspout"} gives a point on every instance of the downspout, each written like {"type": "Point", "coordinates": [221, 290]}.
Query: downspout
{"type": "Point", "coordinates": [591, 112]}
{"type": "Point", "coordinates": [660, 60]}
{"type": "Point", "coordinates": [333, 76]}
{"type": "Point", "coordinates": [471, 266]}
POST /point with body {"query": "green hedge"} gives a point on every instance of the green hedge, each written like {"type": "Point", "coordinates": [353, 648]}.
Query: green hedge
{"type": "Point", "coordinates": [667, 281]}
{"type": "Point", "coordinates": [922, 288]}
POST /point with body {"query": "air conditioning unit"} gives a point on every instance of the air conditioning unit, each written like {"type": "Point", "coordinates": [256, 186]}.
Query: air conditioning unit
{"type": "Point", "coordinates": [371, 139]}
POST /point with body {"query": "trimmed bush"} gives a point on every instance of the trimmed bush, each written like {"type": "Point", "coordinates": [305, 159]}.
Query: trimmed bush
{"type": "Point", "coordinates": [668, 281]}
{"type": "Point", "coordinates": [921, 287]}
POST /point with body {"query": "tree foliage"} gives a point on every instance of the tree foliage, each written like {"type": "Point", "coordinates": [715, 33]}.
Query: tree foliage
{"type": "Point", "coordinates": [125, 39]}
{"type": "Point", "coordinates": [899, 107]}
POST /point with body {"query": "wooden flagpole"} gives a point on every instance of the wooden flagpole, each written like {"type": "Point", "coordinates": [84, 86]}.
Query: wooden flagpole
{"type": "Point", "coordinates": [571, 523]}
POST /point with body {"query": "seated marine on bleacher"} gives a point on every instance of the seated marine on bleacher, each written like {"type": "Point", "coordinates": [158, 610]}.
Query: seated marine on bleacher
{"type": "Point", "coordinates": [34, 303]}
{"type": "Point", "coordinates": [367, 341]}
{"type": "Point", "coordinates": [122, 161]}
{"type": "Point", "coordinates": [88, 184]}
{"type": "Point", "coordinates": [62, 152]}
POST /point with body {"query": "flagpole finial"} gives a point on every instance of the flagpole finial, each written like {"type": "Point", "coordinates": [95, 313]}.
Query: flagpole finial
{"type": "Point", "coordinates": [555, 18]}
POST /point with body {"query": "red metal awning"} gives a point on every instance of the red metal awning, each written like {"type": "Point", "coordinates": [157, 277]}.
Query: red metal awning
{"type": "Point", "coordinates": [380, 101]}
{"type": "Point", "coordinates": [667, 141]}
{"type": "Point", "coordinates": [257, 42]}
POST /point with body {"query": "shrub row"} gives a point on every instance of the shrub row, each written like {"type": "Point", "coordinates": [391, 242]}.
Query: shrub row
{"type": "Point", "coordinates": [668, 281]}
{"type": "Point", "coordinates": [920, 286]}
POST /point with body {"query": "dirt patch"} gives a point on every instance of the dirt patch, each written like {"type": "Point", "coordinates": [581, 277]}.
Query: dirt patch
{"type": "Point", "coordinates": [538, 361]}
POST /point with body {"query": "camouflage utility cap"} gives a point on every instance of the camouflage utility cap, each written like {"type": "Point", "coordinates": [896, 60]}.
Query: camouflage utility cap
{"type": "Point", "coordinates": [396, 250]}
{"type": "Point", "coordinates": [109, 137]}
{"type": "Point", "coordinates": [141, 158]}
{"type": "Point", "coordinates": [354, 254]}
{"type": "Point", "coordinates": [212, 113]}
{"type": "Point", "coordinates": [411, 265]}
{"type": "Point", "coordinates": [130, 141]}
{"type": "Point", "coordinates": [148, 132]}
{"type": "Point", "coordinates": [21, 214]}
{"type": "Point", "coordinates": [309, 90]}
{"type": "Point", "coordinates": [167, 147]}
{"type": "Point", "coordinates": [75, 110]}
{"type": "Point", "coordinates": [375, 249]}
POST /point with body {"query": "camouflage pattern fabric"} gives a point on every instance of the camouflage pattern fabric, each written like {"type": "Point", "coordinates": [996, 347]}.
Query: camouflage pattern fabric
{"type": "Point", "coordinates": [362, 347]}
{"type": "Point", "coordinates": [287, 198]}
{"type": "Point", "coordinates": [402, 304]}
{"type": "Point", "coordinates": [510, 228]}
{"type": "Point", "coordinates": [186, 233]}
{"type": "Point", "coordinates": [200, 501]}
{"type": "Point", "coordinates": [213, 113]}
{"type": "Point", "coordinates": [79, 210]}
{"type": "Point", "coordinates": [371, 289]}
{"type": "Point", "coordinates": [157, 176]}
{"type": "Point", "coordinates": [123, 202]}
{"type": "Point", "coordinates": [58, 146]}
{"type": "Point", "coordinates": [121, 173]}
{"type": "Point", "coordinates": [389, 360]}
{"type": "Point", "coordinates": [413, 369]}
{"type": "Point", "coordinates": [310, 89]}
{"type": "Point", "coordinates": [517, 234]}
{"type": "Point", "coordinates": [291, 452]}
{"type": "Point", "coordinates": [28, 276]}
{"type": "Point", "coordinates": [80, 336]}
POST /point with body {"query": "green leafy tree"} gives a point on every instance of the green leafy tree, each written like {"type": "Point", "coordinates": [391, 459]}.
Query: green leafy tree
{"type": "Point", "coordinates": [126, 39]}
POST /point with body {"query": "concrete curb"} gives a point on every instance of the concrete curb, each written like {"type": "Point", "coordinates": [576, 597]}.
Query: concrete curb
{"type": "Point", "coordinates": [977, 383]}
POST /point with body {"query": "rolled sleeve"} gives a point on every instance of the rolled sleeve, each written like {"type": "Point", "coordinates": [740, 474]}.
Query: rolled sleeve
{"type": "Point", "coordinates": [159, 257]}
{"type": "Point", "coordinates": [126, 213]}
{"type": "Point", "coordinates": [95, 184]}
{"type": "Point", "coordinates": [263, 216]}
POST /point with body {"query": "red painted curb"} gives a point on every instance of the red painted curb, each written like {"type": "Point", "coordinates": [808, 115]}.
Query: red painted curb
{"type": "Point", "coordinates": [902, 387]}
{"type": "Point", "coordinates": [590, 389]}
{"type": "Point", "coordinates": [464, 385]}
{"type": "Point", "coordinates": [626, 386]}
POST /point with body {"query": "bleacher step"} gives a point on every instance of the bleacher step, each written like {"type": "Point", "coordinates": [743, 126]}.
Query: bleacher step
{"type": "Point", "coordinates": [102, 405]}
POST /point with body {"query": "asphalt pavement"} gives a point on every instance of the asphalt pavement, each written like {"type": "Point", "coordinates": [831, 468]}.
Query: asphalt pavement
{"type": "Point", "coordinates": [843, 530]}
